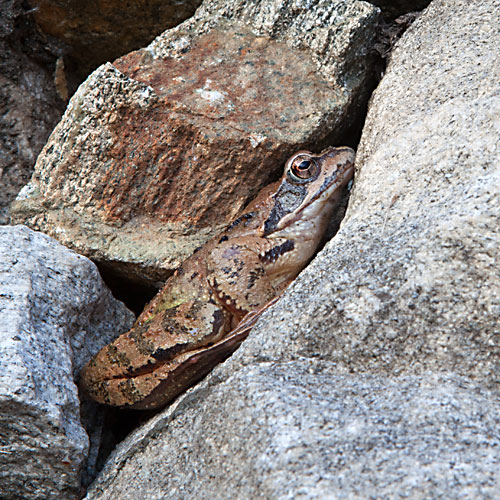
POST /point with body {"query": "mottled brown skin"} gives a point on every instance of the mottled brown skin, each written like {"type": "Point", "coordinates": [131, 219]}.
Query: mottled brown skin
{"type": "Point", "coordinates": [207, 307]}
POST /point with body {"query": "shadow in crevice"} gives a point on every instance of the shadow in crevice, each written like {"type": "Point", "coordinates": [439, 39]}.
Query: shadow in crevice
{"type": "Point", "coordinates": [133, 294]}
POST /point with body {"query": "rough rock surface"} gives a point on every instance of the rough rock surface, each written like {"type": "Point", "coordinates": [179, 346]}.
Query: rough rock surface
{"type": "Point", "coordinates": [299, 430]}
{"type": "Point", "coordinates": [378, 370]}
{"type": "Point", "coordinates": [411, 281]}
{"type": "Point", "coordinates": [157, 153]}
{"type": "Point", "coordinates": [96, 32]}
{"type": "Point", "coordinates": [53, 307]}
{"type": "Point", "coordinates": [29, 104]}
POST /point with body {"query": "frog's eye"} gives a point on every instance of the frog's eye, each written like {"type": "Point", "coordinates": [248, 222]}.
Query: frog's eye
{"type": "Point", "coordinates": [303, 168]}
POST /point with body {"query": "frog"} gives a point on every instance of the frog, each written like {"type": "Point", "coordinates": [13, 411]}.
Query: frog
{"type": "Point", "coordinates": [207, 307]}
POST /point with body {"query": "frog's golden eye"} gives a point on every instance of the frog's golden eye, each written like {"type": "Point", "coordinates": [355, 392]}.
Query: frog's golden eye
{"type": "Point", "coordinates": [303, 168]}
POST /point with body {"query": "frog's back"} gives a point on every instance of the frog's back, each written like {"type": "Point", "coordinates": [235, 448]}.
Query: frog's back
{"type": "Point", "coordinates": [186, 310]}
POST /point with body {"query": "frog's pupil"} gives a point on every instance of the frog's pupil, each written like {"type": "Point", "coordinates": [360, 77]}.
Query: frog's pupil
{"type": "Point", "coordinates": [304, 164]}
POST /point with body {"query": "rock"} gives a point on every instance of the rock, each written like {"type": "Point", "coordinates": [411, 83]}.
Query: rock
{"type": "Point", "coordinates": [55, 312]}
{"type": "Point", "coordinates": [158, 152]}
{"type": "Point", "coordinates": [300, 430]}
{"type": "Point", "coordinates": [29, 104]}
{"type": "Point", "coordinates": [377, 371]}
{"type": "Point", "coordinates": [97, 32]}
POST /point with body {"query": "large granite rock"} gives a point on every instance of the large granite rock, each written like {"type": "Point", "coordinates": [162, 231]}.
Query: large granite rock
{"type": "Point", "coordinates": [47, 47]}
{"type": "Point", "coordinates": [29, 103]}
{"type": "Point", "coordinates": [410, 282]}
{"type": "Point", "coordinates": [55, 312]}
{"type": "Point", "coordinates": [301, 431]}
{"type": "Point", "coordinates": [377, 373]}
{"type": "Point", "coordinates": [159, 151]}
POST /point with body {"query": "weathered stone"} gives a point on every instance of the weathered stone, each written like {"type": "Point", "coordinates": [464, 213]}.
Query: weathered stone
{"type": "Point", "coordinates": [55, 312]}
{"type": "Point", "coordinates": [377, 372]}
{"type": "Point", "coordinates": [29, 104]}
{"type": "Point", "coordinates": [299, 430]}
{"type": "Point", "coordinates": [158, 152]}
{"type": "Point", "coordinates": [97, 32]}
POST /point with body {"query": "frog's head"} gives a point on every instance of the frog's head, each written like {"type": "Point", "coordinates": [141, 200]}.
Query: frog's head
{"type": "Point", "coordinates": [308, 192]}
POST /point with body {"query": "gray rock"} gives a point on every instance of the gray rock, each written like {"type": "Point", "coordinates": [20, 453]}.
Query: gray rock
{"type": "Point", "coordinates": [411, 282]}
{"type": "Point", "coordinates": [53, 307]}
{"type": "Point", "coordinates": [376, 375]}
{"type": "Point", "coordinates": [301, 430]}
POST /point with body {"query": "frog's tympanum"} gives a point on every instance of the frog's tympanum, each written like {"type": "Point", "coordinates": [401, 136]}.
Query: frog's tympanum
{"type": "Point", "coordinates": [208, 305]}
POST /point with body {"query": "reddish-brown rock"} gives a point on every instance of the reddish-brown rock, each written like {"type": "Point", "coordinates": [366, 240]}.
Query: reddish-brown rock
{"type": "Point", "coordinates": [159, 151]}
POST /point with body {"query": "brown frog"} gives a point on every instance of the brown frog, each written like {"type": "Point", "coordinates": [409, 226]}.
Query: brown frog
{"type": "Point", "coordinates": [207, 307]}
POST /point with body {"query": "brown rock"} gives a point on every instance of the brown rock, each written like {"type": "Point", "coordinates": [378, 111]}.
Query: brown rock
{"type": "Point", "coordinates": [96, 32]}
{"type": "Point", "coordinates": [158, 152]}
